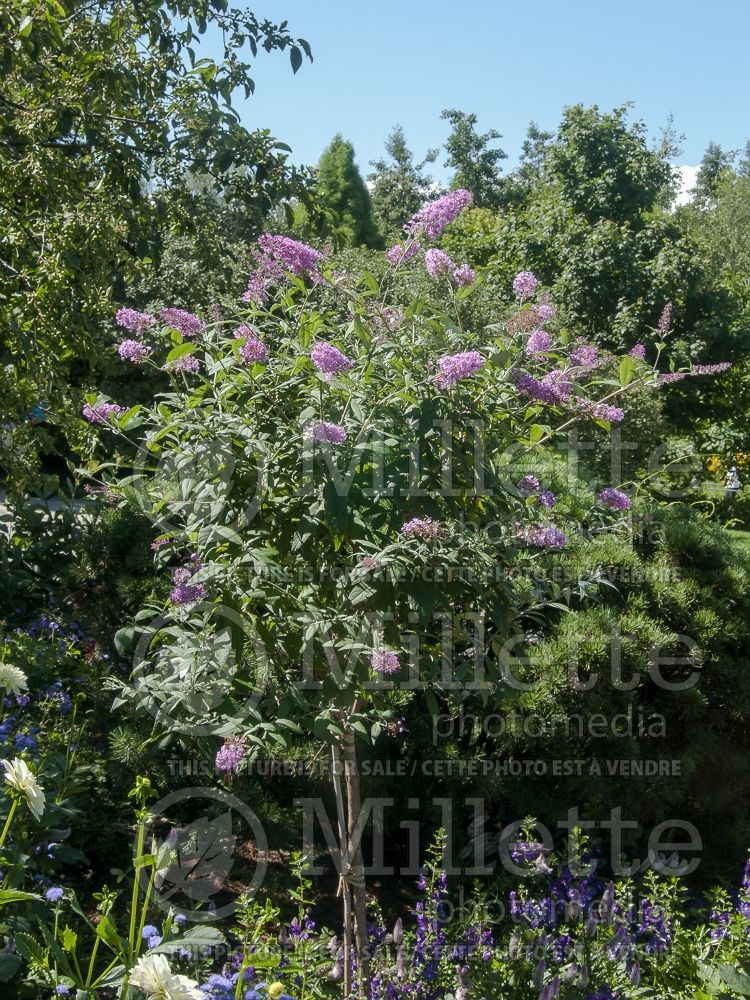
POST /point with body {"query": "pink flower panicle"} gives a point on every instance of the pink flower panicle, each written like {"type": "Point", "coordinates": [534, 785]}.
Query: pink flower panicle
{"type": "Point", "coordinates": [230, 756]}
{"type": "Point", "coordinates": [528, 484]}
{"type": "Point", "coordinates": [614, 414]}
{"type": "Point", "coordinates": [543, 536]}
{"type": "Point", "coordinates": [585, 356]}
{"type": "Point", "coordinates": [601, 411]}
{"type": "Point", "coordinates": [184, 592]}
{"type": "Point", "coordinates": [665, 320]}
{"type": "Point", "coordinates": [134, 321]}
{"type": "Point", "coordinates": [615, 499]}
{"type": "Point", "coordinates": [454, 367]}
{"type": "Point", "coordinates": [439, 265]}
{"type": "Point", "coordinates": [399, 254]}
{"type": "Point", "coordinates": [385, 661]}
{"type": "Point", "coordinates": [325, 432]}
{"type": "Point", "coordinates": [464, 275]}
{"type": "Point", "coordinates": [265, 274]}
{"type": "Point", "coordinates": [187, 363]}
{"type": "Point", "coordinates": [133, 350]}
{"type": "Point", "coordinates": [722, 366]}
{"type": "Point", "coordinates": [539, 341]}
{"type": "Point", "coordinates": [422, 527]}
{"type": "Point", "coordinates": [433, 218]}
{"type": "Point", "coordinates": [187, 323]}
{"type": "Point", "coordinates": [524, 285]}
{"type": "Point", "coordinates": [329, 360]}
{"type": "Point", "coordinates": [671, 377]}
{"type": "Point", "coordinates": [291, 254]}
{"type": "Point", "coordinates": [638, 352]}
{"type": "Point", "coordinates": [252, 350]}
{"type": "Point", "coordinates": [544, 312]}
{"type": "Point", "coordinates": [102, 413]}
{"type": "Point", "coordinates": [554, 388]}
{"type": "Point", "coordinates": [275, 256]}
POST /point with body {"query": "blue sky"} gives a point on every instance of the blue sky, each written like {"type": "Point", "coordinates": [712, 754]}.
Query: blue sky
{"type": "Point", "coordinates": [378, 63]}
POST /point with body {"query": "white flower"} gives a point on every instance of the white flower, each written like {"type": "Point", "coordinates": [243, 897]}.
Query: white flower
{"type": "Point", "coordinates": [12, 678]}
{"type": "Point", "coordinates": [18, 776]}
{"type": "Point", "coordinates": [152, 974]}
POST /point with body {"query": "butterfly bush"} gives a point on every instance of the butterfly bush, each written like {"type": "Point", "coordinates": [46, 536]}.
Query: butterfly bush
{"type": "Point", "coordinates": [133, 320]}
{"type": "Point", "coordinates": [266, 509]}
{"type": "Point", "coordinates": [331, 526]}
{"type": "Point", "coordinates": [433, 219]}
{"type": "Point", "coordinates": [187, 323]}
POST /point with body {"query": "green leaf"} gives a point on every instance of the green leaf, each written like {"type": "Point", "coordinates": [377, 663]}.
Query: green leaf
{"type": "Point", "coordinates": [180, 352]}
{"type": "Point", "coordinates": [735, 980]}
{"type": "Point", "coordinates": [124, 639]}
{"type": "Point", "coordinates": [15, 896]}
{"type": "Point", "coordinates": [196, 938]}
{"type": "Point", "coordinates": [536, 432]}
{"type": "Point", "coordinates": [627, 370]}
{"type": "Point", "coordinates": [9, 966]}
{"type": "Point", "coordinates": [28, 948]}
{"type": "Point", "coordinates": [295, 57]}
{"type": "Point", "coordinates": [107, 931]}
{"type": "Point", "coordinates": [69, 939]}
{"type": "Point", "coordinates": [24, 30]}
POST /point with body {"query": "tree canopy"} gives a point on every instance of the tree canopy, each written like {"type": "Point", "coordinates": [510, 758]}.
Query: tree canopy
{"type": "Point", "coordinates": [108, 111]}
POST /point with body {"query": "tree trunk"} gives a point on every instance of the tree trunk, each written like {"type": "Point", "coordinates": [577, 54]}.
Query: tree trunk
{"type": "Point", "coordinates": [344, 890]}
{"type": "Point", "coordinates": [354, 858]}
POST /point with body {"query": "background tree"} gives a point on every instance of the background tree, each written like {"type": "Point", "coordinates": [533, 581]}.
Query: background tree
{"type": "Point", "coordinates": [399, 185]}
{"type": "Point", "coordinates": [105, 106]}
{"type": "Point", "coordinates": [714, 166]}
{"type": "Point", "coordinates": [342, 192]}
{"type": "Point", "coordinates": [473, 161]}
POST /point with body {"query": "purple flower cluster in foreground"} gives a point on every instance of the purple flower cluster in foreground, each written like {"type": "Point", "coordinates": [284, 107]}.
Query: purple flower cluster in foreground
{"type": "Point", "coordinates": [585, 356]}
{"type": "Point", "coordinates": [615, 499]}
{"type": "Point", "coordinates": [524, 285]}
{"type": "Point", "coordinates": [454, 367]}
{"type": "Point", "coordinates": [187, 363]}
{"type": "Point", "coordinates": [325, 432]}
{"type": "Point", "coordinates": [275, 256]}
{"type": "Point", "coordinates": [230, 756]}
{"type": "Point", "coordinates": [528, 484]}
{"type": "Point", "coordinates": [422, 527]}
{"type": "Point", "coordinates": [134, 321]}
{"type": "Point", "coordinates": [329, 360]}
{"type": "Point", "coordinates": [133, 350]}
{"type": "Point", "coordinates": [433, 218]}
{"type": "Point", "coordinates": [399, 254]}
{"type": "Point", "coordinates": [554, 388]}
{"type": "Point", "coordinates": [544, 312]}
{"type": "Point", "coordinates": [538, 342]}
{"type": "Point", "coordinates": [291, 254]}
{"type": "Point", "coordinates": [184, 592]}
{"type": "Point", "coordinates": [601, 411]}
{"type": "Point", "coordinates": [543, 536]}
{"type": "Point", "coordinates": [638, 352]}
{"type": "Point", "coordinates": [722, 366]}
{"type": "Point", "coordinates": [439, 265]}
{"type": "Point", "coordinates": [187, 323]}
{"type": "Point", "coordinates": [385, 661]}
{"type": "Point", "coordinates": [665, 320]}
{"type": "Point", "coordinates": [101, 413]}
{"type": "Point", "coordinates": [252, 350]}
